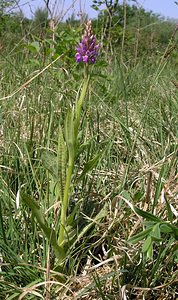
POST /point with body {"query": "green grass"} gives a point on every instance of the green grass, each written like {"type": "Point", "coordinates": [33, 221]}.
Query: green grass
{"type": "Point", "coordinates": [130, 118]}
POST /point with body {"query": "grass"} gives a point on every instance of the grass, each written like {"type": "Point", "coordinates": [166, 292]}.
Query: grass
{"type": "Point", "coordinates": [129, 120]}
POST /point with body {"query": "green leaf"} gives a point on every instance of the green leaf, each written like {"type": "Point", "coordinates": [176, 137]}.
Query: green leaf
{"type": "Point", "coordinates": [149, 224]}
{"type": "Point", "coordinates": [95, 7]}
{"type": "Point", "coordinates": [160, 184]}
{"type": "Point", "coordinates": [39, 215]}
{"type": "Point", "coordinates": [70, 218]}
{"type": "Point", "coordinates": [146, 244]}
{"type": "Point", "coordinates": [62, 157]}
{"type": "Point", "coordinates": [169, 228]}
{"type": "Point", "coordinates": [49, 161]}
{"type": "Point", "coordinates": [150, 251]}
{"type": "Point", "coordinates": [155, 233]}
{"type": "Point", "coordinates": [175, 231]}
{"type": "Point", "coordinates": [34, 47]}
{"type": "Point", "coordinates": [36, 210]}
{"type": "Point", "coordinates": [138, 237]}
{"type": "Point", "coordinates": [146, 215]}
{"type": "Point", "coordinates": [166, 228]}
{"type": "Point", "coordinates": [138, 196]}
{"type": "Point", "coordinates": [126, 195]}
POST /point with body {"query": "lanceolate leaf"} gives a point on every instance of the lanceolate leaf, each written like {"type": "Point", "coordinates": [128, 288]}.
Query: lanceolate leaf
{"type": "Point", "coordinates": [169, 228]}
{"type": "Point", "coordinates": [140, 236]}
{"type": "Point", "coordinates": [61, 163]}
{"type": "Point", "coordinates": [39, 215]}
{"type": "Point", "coordinates": [146, 215]}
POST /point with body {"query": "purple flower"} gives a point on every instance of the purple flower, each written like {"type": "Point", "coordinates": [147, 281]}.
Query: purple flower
{"type": "Point", "coordinates": [87, 50]}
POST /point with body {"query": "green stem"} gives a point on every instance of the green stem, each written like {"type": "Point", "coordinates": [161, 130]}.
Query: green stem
{"type": "Point", "coordinates": [79, 103]}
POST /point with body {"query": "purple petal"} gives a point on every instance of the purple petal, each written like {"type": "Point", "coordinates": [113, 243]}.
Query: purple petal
{"type": "Point", "coordinates": [97, 47]}
{"type": "Point", "coordinates": [93, 60]}
{"type": "Point", "coordinates": [84, 48]}
{"type": "Point", "coordinates": [79, 50]}
{"type": "Point", "coordinates": [86, 58]}
{"type": "Point", "coordinates": [91, 47]}
{"type": "Point", "coordinates": [78, 57]}
{"type": "Point", "coordinates": [88, 53]}
{"type": "Point", "coordinates": [87, 50]}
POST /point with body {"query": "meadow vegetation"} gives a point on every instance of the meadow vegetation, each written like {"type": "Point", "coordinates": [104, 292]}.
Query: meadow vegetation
{"type": "Point", "coordinates": [117, 128]}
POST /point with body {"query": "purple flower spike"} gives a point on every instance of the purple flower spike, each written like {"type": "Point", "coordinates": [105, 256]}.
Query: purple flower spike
{"type": "Point", "coordinates": [87, 50]}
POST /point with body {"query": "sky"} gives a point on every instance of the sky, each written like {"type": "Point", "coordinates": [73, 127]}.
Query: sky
{"type": "Point", "coordinates": [166, 8]}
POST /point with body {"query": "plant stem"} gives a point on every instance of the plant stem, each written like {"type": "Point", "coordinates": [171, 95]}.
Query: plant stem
{"type": "Point", "coordinates": [79, 104]}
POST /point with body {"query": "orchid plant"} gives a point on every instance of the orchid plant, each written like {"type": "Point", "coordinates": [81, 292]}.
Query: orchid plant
{"type": "Point", "coordinates": [61, 166]}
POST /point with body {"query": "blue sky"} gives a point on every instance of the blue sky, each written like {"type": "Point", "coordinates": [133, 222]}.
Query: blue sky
{"type": "Point", "coordinates": [167, 8]}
